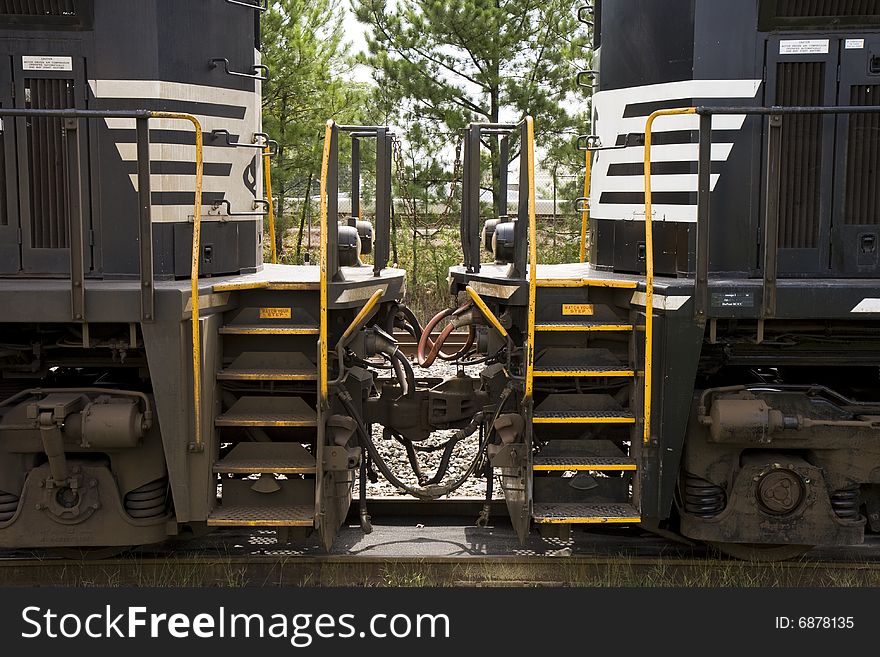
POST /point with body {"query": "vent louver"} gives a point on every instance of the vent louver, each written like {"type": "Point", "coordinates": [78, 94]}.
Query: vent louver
{"type": "Point", "coordinates": [47, 169]}
{"type": "Point", "coordinates": [38, 7]}
{"type": "Point", "coordinates": [826, 8]}
{"type": "Point", "coordinates": [862, 201]}
{"type": "Point", "coordinates": [800, 84]}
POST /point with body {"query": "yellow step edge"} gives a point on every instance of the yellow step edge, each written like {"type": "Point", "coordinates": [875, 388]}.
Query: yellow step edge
{"type": "Point", "coordinates": [586, 521]}
{"type": "Point", "coordinates": [585, 373]}
{"type": "Point", "coordinates": [260, 523]}
{"type": "Point", "coordinates": [257, 422]}
{"type": "Point", "coordinates": [586, 282]}
{"type": "Point", "coordinates": [231, 375]}
{"type": "Point", "coordinates": [219, 468]}
{"type": "Point", "coordinates": [583, 420]}
{"type": "Point", "coordinates": [571, 328]}
{"type": "Point", "coordinates": [613, 467]}
{"type": "Point", "coordinates": [240, 285]}
{"type": "Point", "coordinates": [300, 287]}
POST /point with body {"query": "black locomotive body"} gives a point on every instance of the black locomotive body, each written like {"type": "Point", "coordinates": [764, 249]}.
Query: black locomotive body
{"type": "Point", "coordinates": [753, 397]}
{"type": "Point", "coordinates": [156, 378]}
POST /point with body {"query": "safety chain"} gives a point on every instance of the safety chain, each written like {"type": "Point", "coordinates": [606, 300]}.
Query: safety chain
{"type": "Point", "coordinates": [409, 201]}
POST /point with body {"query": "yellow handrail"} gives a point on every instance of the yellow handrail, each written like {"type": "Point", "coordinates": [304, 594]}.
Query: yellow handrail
{"type": "Point", "coordinates": [585, 214]}
{"type": "Point", "coordinates": [533, 256]}
{"type": "Point", "coordinates": [197, 443]}
{"type": "Point", "coordinates": [322, 347]}
{"type": "Point", "coordinates": [485, 310]}
{"type": "Point", "coordinates": [649, 264]}
{"type": "Point", "coordinates": [267, 174]}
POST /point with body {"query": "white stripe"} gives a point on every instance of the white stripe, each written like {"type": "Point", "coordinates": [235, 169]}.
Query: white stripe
{"type": "Point", "coordinates": [162, 89]}
{"type": "Point", "coordinates": [867, 306]}
{"type": "Point", "coordinates": [673, 123]}
{"type": "Point", "coordinates": [240, 158]}
{"type": "Point", "coordinates": [627, 212]}
{"type": "Point", "coordinates": [186, 153]}
{"type": "Point", "coordinates": [662, 153]}
{"type": "Point", "coordinates": [209, 123]}
{"type": "Point", "coordinates": [661, 302]}
{"type": "Point", "coordinates": [683, 182]}
{"type": "Point", "coordinates": [609, 108]}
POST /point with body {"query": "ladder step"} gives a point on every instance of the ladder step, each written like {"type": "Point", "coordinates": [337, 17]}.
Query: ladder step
{"type": "Point", "coordinates": [583, 463]}
{"type": "Point", "coordinates": [573, 513]}
{"type": "Point", "coordinates": [587, 282]}
{"type": "Point", "coordinates": [583, 417]}
{"type": "Point", "coordinates": [264, 458]}
{"type": "Point", "coordinates": [270, 366]}
{"type": "Point", "coordinates": [267, 375]}
{"type": "Point", "coordinates": [581, 370]}
{"type": "Point", "coordinates": [300, 515]}
{"type": "Point", "coordinates": [574, 362]}
{"type": "Point", "coordinates": [269, 412]}
{"type": "Point", "coordinates": [252, 329]}
{"type": "Point", "coordinates": [581, 327]}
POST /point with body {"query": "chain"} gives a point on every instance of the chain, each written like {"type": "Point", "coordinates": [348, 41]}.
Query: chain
{"type": "Point", "coordinates": [404, 183]}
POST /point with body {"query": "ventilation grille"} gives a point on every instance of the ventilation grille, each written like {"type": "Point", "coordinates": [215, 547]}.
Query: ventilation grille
{"type": "Point", "coordinates": [826, 8]}
{"type": "Point", "coordinates": [47, 169]}
{"type": "Point", "coordinates": [38, 7]}
{"type": "Point", "coordinates": [800, 83]}
{"type": "Point", "coordinates": [862, 200]}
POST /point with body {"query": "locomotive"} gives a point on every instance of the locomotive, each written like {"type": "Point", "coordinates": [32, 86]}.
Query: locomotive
{"type": "Point", "coordinates": [711, 367]}
{"type": "Point", "coordinates": [708, 369]}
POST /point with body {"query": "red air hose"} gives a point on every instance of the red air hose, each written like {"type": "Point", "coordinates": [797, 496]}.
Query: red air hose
{"type": "Point", "coordinates": [434, 348]}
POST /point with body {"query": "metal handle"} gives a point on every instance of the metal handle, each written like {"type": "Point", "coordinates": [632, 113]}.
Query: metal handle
{"type": "Point", "coordinates": [261, 5]}
{"type": "Point", "coordinates": [261, 139]}
{"type": "Point", "coordinates": [588, 143]}
{"type": "Point", "coordinates": [251, 76]}
{"type": "Point", "coordinates": [583, 74]}
{"type": "Point", "coordinates": [582, 11]}
{"type": "Point", "coordinates": [582, 204]}
{"type": "Point", "coordinates": [593, 143]}
{"type": "Point", "coordinates": [257, 202]}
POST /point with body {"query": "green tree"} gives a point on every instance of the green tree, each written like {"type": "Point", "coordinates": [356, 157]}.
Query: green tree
{"type": "Point", "coordinates": [442, 65]}
{"type": "Point", "coordinates": [305, 49]}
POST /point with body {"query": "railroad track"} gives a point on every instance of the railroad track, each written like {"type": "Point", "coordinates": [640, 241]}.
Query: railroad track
{"type": "Point", "coordinates": [442, 547]}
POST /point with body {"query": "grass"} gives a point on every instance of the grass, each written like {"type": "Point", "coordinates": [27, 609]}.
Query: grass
{"type": "Point", "coordinates": [235, 572]}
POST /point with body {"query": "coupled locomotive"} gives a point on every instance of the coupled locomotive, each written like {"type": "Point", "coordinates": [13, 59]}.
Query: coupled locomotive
{"type": "Point", "coordinates": [711, 364]}
{"type": "Point", "coordinates": [708, 368]}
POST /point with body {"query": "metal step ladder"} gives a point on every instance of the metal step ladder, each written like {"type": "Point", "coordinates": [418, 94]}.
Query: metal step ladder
{"type": "Point", "coordinates": [266, 465]}
{"type": "Point", "coordinates": [586, 381]}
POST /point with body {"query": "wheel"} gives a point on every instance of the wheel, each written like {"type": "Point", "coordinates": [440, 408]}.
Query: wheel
{"type": "Point", "coordinates": [761, 551]}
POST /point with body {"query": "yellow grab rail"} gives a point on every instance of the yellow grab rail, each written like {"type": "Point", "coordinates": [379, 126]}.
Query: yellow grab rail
{"type": "Point", "coordinates": [322, 347]}
{"type": "Point", "coordinates": [198, 443]}
{"type": "Point", "coordinates": [649, 264]}
{"type": "Point", "coordinates": [267, 175]}
{"type": "Point", "coordinates": [486, 311]}
{"type": "Point", "coordinates": [533, 256]}
{"type": "Point", "coordinates": [585, 213]}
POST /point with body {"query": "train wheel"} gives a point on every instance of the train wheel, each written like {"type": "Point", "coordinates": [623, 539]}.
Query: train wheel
{"type": "Point", "coordinates": [761, 551]}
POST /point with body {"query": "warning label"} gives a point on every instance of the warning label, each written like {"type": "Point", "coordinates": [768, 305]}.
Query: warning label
{"type": "Point", "coordinates": [46, 63]}
{"type": "Point", "coordinates": [275, 313]}
{"type": "Point", "coordinates": [583, 309]}
{"type": "Point", "coordinates": [804, 47]}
